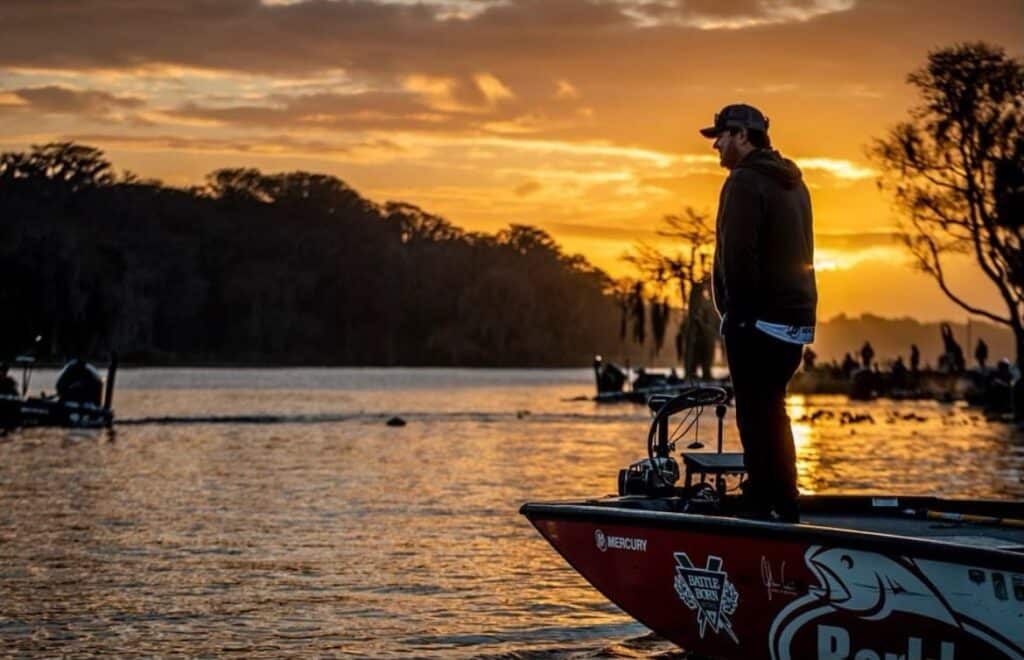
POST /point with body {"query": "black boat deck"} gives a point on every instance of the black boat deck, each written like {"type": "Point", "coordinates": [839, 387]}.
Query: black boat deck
{"type": "Point", "coordinates": [982, 524]}
{"type": "Point", "coordinates": [990, 532]}
{"type": "Point", "coordinates": [978, 535]}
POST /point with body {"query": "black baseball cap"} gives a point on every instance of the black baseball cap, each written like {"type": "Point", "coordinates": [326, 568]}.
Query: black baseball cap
{"type": "Point", "coordinates": [739, 115]}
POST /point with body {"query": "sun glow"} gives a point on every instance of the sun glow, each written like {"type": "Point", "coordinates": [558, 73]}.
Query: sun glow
{"type": "Point", "coordinates": [831, 259]}
{"type": "Point", "coordinates": [839, 168]}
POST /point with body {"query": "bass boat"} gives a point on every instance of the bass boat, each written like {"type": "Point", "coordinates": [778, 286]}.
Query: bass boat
{"type": "Point", "coordinates": [82, 400]}
{"type": "Point", "coordinates": [880, 577]}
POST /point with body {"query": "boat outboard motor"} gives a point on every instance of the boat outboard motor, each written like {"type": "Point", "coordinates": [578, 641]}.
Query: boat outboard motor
{"type": "Point", "coordinates": [80, 382]}
{"type": "Point", "coordinates": [609, 377]}
{"type": "Point", "coordinates": [8, 386]}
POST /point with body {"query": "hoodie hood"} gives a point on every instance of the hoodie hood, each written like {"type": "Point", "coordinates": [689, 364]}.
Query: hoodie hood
{"type": "Point", "coordinates": [772, 164]}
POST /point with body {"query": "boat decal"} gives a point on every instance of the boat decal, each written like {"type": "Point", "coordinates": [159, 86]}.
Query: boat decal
{"type": "Point", "coordinates": [868, 587]}
{"type": "Point", "coordinates": [776, 586]}
{"type": "Point", "coordinates": [709, 592]}
{"type": "Point", "coordinates": [604, 542]}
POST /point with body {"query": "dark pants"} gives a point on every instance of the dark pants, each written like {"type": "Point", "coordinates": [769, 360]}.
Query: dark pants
{"type": "Point", "coordinates": [760, 367]}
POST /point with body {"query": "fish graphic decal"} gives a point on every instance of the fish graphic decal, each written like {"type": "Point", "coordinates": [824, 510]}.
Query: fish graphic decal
{"type": "Point", "coordinates": [870, 586]}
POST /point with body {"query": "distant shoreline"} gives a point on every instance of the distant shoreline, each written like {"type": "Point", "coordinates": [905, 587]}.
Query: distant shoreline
{"type": "Point", "coordinates": [890, 337]}
{"type": "Point", "coordinates": [272, 365]}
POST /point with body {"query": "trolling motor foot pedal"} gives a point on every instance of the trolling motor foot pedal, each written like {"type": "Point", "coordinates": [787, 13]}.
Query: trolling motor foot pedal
{"type": "Point", "coordinates": [716, 465]}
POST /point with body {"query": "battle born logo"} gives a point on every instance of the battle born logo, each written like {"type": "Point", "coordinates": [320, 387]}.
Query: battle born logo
{"type": "Point", "coordinates": [708, 591]}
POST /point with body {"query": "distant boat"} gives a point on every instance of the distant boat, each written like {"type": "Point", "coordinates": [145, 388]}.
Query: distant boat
{"type": "Point", "coordinates": [81, 400]}
{"type": "Point", "coordinates": [861, 576]}
{"type": "Point", "coordinates": [869, 384]}
{"type": "Point", "coordinates": [614, 385]}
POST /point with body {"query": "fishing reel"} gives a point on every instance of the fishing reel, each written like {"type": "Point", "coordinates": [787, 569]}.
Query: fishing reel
{"type": "Point", "coordinates": [657, 474]}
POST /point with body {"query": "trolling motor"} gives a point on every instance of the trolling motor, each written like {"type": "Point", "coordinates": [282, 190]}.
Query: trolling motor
{"type": "Point", "coordinates": [657, 474]}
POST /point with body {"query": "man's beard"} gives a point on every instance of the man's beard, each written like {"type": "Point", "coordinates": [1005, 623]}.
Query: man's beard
{"type": "Point", "coordinates": [730, 157]}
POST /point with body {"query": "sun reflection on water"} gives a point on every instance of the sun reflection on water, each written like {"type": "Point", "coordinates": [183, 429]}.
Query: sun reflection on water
{"type": "Point", "coordinates": [803, 440]}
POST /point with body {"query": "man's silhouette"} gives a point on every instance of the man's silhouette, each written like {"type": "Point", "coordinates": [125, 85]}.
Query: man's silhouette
{"type": "Point", "coordinates": [765, 291]}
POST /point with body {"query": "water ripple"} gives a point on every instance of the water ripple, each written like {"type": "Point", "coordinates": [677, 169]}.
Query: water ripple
{"type": "Point", "coordinates": [285, 520]}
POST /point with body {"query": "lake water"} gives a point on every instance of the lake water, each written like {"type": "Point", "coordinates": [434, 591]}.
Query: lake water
{"type": "Point", "coordinates": [263, 513]}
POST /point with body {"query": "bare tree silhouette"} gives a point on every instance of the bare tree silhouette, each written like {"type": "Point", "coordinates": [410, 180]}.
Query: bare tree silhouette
{"type": "Point", "coordinates": [687, 270]}
{"type": "Point", "coordinates": [956, 170]}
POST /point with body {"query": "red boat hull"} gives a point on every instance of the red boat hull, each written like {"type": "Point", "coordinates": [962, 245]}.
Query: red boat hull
{"type": "Point", "coordinates": [742, 589]}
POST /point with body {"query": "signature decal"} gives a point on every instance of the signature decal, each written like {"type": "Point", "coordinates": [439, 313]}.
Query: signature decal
{"type": "Point", "coordinates": [776, 587]}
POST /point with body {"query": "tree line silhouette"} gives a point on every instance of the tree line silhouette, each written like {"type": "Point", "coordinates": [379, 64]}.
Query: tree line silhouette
{"type": "Point", "coordinates": [293, 268]}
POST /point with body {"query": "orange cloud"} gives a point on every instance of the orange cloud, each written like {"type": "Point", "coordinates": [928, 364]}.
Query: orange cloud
{"type": "Point", "coordinates": [440, 102]}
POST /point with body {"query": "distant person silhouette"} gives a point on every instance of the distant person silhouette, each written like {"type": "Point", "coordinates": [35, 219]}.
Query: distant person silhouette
{"type": "Point", "coordinates": [8, 386]}
{"type": "Point", "coordinates": [867, 354]}
{"type": "Point", "coordinates": [899, 373]}
{"type": "Point", "coordinates": [809, 357]}
{"type": "Point", "coordinates": [1003, 373]}
{"type": "Point", "coordinates": [766, 293]}
{"type": "Point", "coordinates": [999, 389]}
{"type": "Point", "coordinates": [849, 365]}
{"type": "Point", "coordinates": [915, 358]}
{"type": "Point", "coordinates": [981, 353]}
{"type": "Point", "coordinates": [609, 377]}
{"type": "Point", "coordinates": [953, 353]}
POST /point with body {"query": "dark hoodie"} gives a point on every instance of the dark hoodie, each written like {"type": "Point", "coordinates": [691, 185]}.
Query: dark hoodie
{"type": "Point", "coordinates": [764, 247]}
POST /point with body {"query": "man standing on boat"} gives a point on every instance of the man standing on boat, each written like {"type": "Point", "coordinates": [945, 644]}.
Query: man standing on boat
{"type": "Point", "coordinates": [766, 294]}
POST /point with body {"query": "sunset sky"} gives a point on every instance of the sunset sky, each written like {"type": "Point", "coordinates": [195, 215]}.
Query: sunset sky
{"type": "Point", "coordinates": [577, 116]}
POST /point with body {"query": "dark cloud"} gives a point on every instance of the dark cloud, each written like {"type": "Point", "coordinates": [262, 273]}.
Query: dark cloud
{"type": "Point", "coordinates": [397, 110]}
{"type": "Point", "coordinates": [726, 7]}
{"type": "Point", "coordinates": [527, 188]}
{"type": "Point", "coordinates": [625, 235]}
{"type": "Point", "coordinates": [389, 38]}
{"type": "Point", "coordinates": [372, 109]}
{"type": "Point", "coordinates": [268, 145]}
{"type": "Point", "coordinates": [644, 85]}
{"type": "Point", "coordinates": [54, 99]}
{"type": "Point", "coordinates": [677, 183]}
